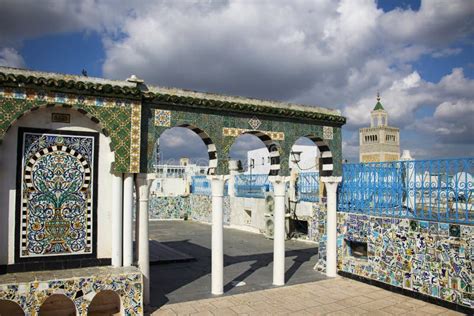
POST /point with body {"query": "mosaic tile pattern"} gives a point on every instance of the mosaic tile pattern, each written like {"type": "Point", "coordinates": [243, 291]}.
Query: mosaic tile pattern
{"type": "Point", "coordinates": [57, 194]}
{"type": "Point", "coordinates": [112, 115]}
{"type": "Point", "coordinates": [81, 290]}
{"type": "Point", "coordinates": [328, 132]}
{"type": "Point", "coordinates": [194, 207]}
{"type": "Point", "coordinates": [162, 118]}
{"type": "Point", "coordinates": [255, 123]}
{"type": "Point", "coordinates": [431, 258]}
{"type": "Point", "coordinates": [234, 132]}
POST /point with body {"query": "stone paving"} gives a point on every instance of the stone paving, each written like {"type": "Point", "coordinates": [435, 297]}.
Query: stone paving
{"type": "Point", "coordinates": [339, 296]}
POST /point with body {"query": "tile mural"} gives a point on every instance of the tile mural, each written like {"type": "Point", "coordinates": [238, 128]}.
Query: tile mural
{"type": "Point", "coordinates": [57, 194]}
{"type": "Point", "coordinates": [431, 258]}
{"type": "Point", "coordinates": [126, 282]}
{"type": "Point", "coordinates": [194, 207]}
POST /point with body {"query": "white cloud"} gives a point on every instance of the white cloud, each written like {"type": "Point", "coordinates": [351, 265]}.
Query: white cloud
{"type": "Point", "coordinates": [11, 58]}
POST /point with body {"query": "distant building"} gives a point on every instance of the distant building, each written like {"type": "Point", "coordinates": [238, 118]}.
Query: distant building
{"type": "Point", "coordinates": [174, 180]}
{"type": "Point", "coordinates": [379, 142]}
{"type": "Point", "coordinates": [258, 161]}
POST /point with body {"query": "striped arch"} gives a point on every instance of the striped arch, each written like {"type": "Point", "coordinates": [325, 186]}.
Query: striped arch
{"type": "Point", "coordinates": [211, 148]}
{"type": "Point", "coordinates": [326, 155]}
{"type": "Point", "coordinates": [273, 151]}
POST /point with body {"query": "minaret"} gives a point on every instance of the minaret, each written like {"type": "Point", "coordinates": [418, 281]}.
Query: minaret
{"type": "Point", "coordinates": [379, 142]}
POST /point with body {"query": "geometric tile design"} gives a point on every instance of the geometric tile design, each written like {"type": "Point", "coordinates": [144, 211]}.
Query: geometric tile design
{"type": "Point", "coordinates": [162, 118]}
{"type": "Point", "coordinates": [135, 138]}
{"type": "Point", "coordinates": [112, 115]}
{"type": "Point", "coordinates": [235, 132]}
{"type": "Point", "coordinates": [56, 194]}
{"type": "Point", "coordinates": [255, 123]}
{"type": "Point", "coordinates": [328, 132]}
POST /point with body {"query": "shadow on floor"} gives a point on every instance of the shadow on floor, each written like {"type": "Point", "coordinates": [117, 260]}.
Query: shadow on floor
{"type": "Point", "coordinates": [184, 281]}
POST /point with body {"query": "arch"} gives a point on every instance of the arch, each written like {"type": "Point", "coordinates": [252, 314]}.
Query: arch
{"type": "Point", "coordinates": [273, 150]}
{"type": "Point", "coordinates": [10, 308]}
{"type": "Point", "coordinates": [105, 302]}
{"type": "Point", "coordinates": [57, 305]}
{"type": "Point", "coordinates": [211, 147]}
{"type": "Point", "coordinates": [66, 106]}
{"type": "Point", "coordinates": [326, 160]}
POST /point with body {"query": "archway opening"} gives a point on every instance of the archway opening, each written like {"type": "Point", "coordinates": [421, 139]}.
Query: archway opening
{"type": "Point", "coordinates": [105, 303]}
{"type": "Point", "coordinates": [10, 308]}
{"type": "Point", "coordinates": [57, 305]}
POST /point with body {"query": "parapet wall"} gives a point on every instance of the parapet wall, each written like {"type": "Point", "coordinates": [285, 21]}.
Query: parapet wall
{"type": "Point", "coordinates": [425, 257]}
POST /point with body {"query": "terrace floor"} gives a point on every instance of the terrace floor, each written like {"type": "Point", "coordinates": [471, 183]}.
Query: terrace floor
{"type": "Point", "coordinates": [248, 261]}
{"type": "Point", "coordinates": [338, 296]}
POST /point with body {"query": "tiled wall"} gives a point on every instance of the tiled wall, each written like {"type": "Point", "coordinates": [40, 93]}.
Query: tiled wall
{"type": "Point", "coordinates": [81, 289]}
{"type": "Point", "coordinates": [431, 258]}
{"type": "Point", "coordinates": [195, 207]}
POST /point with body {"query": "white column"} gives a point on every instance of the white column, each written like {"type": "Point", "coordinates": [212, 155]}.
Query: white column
{"type": "Point", "coordinates": [233, 171]}
{"type": "Point", "coordinates": [117, 203]}
{"type": "Point", "coordinates": [127, 220]}
{"type": "Point", "coordinates": [279, 188]}
{"type": "Point", "coordinates": [331, 225]}
{"type": "Point", "coordinates": [217, 266]}
{"type": "Point", "coordinates": [137, 221]}
{"type": "Point", "coordinates": [144, 251]}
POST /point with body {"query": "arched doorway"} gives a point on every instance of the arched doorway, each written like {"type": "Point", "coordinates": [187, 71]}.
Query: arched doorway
{"type": "Point", "coordinates": [105, 303]}
{"type": "Point", "coordinates": [81, 142]}
{"type": "Point", "coordinates": [10, 308]}
{"type": "Point", "coordinates": [57, 305]}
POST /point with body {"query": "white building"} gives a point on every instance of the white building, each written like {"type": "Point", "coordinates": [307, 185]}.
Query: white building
{"type": "Point", "coordinates": [258, 161]}
{"type": "Point", "coordinates": [174, 180]}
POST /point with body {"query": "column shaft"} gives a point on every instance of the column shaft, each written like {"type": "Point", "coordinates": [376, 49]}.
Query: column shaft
{"type": "Point", "coordinates": [127, 220]}
{"type": "Point", "coordinates": [279, 186]}
{"type": "Point", "coordinates": [117, 206]}
{"type": "Point", "coordinates": [144, 252]}
{"type": "Point", "coordinates": [217, 266]}
{"type": "Point", "coordinates": [331, 225]}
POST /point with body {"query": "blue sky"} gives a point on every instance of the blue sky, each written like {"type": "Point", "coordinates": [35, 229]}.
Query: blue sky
{"type": "Point", "coordinates": [336, 54]}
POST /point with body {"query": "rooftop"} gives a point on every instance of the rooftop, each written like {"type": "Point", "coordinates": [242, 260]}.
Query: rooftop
{"type": "Point", "coordinates": [169, 95]}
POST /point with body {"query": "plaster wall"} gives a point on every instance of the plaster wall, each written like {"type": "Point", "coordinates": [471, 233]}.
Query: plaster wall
{"type": "Point", "coordinates": [8, 168]}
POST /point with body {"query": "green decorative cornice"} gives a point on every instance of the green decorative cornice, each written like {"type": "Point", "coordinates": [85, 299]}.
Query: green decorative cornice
{"type": "Point", "coordinates": [248, 108]}
{"type": "Point", "coordinates": [21, 78]}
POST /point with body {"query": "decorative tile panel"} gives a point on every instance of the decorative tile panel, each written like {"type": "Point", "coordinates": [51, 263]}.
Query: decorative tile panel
{"type": "Point", "coordinates": [127, 283]}
{"type": "Point", "coordinates": [235, 132]}
{"type": "Point", "coordinates": [115, 120]}
{"type": "Point", "coordinates": [57, 193]}
{"type": "Point", "coordinates": [162, 118]}
{"type": "Point", "coordinates": [255, 123]}
{"type": "Point", "coordinates": [135, 138]}
{"type": "Point", "coordinates": [328, 132]}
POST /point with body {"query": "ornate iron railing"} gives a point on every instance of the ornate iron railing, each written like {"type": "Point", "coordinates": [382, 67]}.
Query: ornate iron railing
{"type": "Point", "coordinates": [252, 185]}
{"type": "Point", "coordinates": [307, 187]}
{"type": "Point", "coordinates": [438, 190]}
{"type": "Point", "coordinates": [200, 185]}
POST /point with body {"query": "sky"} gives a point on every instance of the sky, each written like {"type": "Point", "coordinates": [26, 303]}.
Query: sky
{"type": "Point", "coordinates": [335, 54]}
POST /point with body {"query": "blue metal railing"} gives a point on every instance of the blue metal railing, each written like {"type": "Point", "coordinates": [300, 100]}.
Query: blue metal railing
{"type": "Point", "coordinates": [252, 185]}
{"type": "Point", "coordinates": [438, 190]}
{"type": "Point", "coordinates": [307, 186]}
{"type": "Point", "coordinates": [200, 185]}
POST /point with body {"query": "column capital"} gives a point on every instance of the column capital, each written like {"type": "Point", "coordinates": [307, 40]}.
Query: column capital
{"type": "Point", "coordinates": [144, 181]}
{"type": "Point", "coordinates": [331, 179]}
{"type": "Point", "coordinates": [217, 184]}
{"type": "Point", "coordinates": [279, 184]}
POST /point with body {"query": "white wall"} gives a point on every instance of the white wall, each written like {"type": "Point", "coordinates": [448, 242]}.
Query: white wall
{"type": "Point", "coordinates": [8, 166]}
{"type": "Point", "coordinates": [308, 162]}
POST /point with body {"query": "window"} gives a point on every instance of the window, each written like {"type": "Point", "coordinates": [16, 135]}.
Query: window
{"type": "Point", "coordinates": [357, 249]}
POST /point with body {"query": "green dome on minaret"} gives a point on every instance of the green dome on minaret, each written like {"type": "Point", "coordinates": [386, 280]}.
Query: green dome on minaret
{"type": "Point", "coordinates": [379, 105]}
